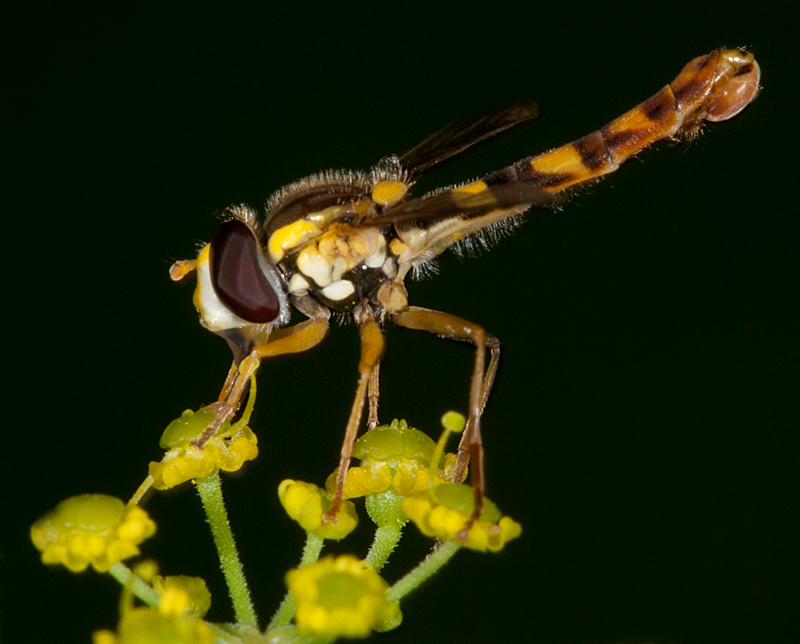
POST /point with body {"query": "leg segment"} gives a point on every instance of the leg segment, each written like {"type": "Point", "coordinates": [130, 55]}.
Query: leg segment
{"type": "Point", "coordinates": [374, 393]}
{"type": "Point", "coordinates": [449, 326]}
{"type": "Point", "coordinates": [372, 348]}
{"type": "Point", "coordinates": [293, 339]}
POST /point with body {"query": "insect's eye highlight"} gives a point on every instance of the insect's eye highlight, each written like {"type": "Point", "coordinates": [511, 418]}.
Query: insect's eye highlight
{"type": "Point", "coordinates": [237, 277]}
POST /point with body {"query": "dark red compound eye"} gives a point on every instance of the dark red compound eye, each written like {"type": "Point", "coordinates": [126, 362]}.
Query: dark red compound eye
{"type": "Point", "coordinates": [238, 280]}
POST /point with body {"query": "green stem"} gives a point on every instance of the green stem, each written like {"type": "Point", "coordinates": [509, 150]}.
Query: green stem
{"type": "Point", "coordinates": [385, 541]}
{"type": "Point", "coordinates": [432, 563]}
{"type": "Point", "coordinates": [210, 490]}
{"type": "Point", "coordinates": [285, 611]}
{"type": "Point", "coordinates": [137, 585]}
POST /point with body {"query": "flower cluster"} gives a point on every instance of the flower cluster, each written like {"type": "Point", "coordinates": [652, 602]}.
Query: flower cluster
{"type": "Point", "coordinates": [182, 594]}
{"type": "Point", "coordinates": [402, 474]}
{"type": "Point", "coordinates": [447, 510]}
{"type": "Point", "coordinates": [144, 624]}
{"type": "Point", "coordinates": [91, 529]}
{"type": "Point", "coordinates": [400, 477]}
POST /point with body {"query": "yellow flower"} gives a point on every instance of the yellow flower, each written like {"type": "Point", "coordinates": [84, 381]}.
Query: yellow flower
{"type": "Point", "coordinates": [306, 503]}
{"type": "Point", "coordinates": [341, 597]}
{"type": "Point", "coordinates": [227, 450]}
{"type": "Point", "coordinates": [182, 601]}
{"type": "Point", "coordinates": [446, 511]}
{"type": "Point", "coordinates": [148, 626]}
{"type": "Point", "coordinates": [392, 456]}
{"type": "Point", "coordinates": [182, 594]}
{"type": "Point", "coordinates": [91, 529]}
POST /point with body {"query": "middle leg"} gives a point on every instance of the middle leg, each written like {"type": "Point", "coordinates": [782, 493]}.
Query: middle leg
{"type": "Point", "coordinates": [372, 348]}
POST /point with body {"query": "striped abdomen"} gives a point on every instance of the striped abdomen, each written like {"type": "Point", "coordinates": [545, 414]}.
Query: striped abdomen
{"type": "Point", "coordinates": [710, 88]}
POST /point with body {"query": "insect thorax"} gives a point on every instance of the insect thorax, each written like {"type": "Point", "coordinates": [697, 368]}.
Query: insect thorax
{"type": "Point", "coordinates": [315, 235]}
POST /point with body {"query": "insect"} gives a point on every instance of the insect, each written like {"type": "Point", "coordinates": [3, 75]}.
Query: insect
{"type": "Point", "coordinates": [344, 242]}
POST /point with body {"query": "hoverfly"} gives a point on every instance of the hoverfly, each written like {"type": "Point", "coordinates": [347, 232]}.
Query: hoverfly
{"type": "Point", "coordinates": [344, 242]}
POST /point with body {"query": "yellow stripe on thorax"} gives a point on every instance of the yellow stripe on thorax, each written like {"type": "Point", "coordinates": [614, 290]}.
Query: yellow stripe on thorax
{"type": "Point", "coordinates": [290, 236]}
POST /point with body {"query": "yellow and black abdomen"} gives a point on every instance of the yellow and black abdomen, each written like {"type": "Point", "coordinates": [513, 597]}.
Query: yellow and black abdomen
{"type": "Point", "coordinates": [713, 88]}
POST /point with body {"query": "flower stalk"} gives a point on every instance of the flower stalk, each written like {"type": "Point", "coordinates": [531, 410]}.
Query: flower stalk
{"type": "Point", "coordinates": [136, 584]}
{"type": "Point", "coordinates": [286, 610]}
{"type": "Point", "coordinates": [386, 539]}
{"type": "Point", "coordinates": [429, 566]}
{"type": "Point", "coordinates": [210, 490]}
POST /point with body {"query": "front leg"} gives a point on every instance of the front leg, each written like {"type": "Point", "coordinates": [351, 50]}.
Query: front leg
{"type": "Point", "coordinates": [293, 339]}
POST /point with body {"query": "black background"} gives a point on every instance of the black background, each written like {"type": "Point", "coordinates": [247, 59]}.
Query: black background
{"type": "Point", "coordinates": [642, 427]}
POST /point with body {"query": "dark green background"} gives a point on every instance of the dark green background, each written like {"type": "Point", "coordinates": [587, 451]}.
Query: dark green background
{"type": "Point", "coordinates": [643, 424]}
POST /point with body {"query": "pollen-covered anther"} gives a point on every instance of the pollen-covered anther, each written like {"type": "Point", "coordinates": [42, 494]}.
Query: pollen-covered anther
{"type": "Point", "coordinates": [91, 529]}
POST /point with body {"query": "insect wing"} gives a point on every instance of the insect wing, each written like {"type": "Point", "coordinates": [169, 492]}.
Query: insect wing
{"type": "Point", "coordinates": [462, 134]}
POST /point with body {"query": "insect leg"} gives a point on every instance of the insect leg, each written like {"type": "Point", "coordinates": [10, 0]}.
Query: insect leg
{"type": "Point", "coordinates": [372, 348]}
{"type": "Point", "coordinates": [294, 339]}
{"type": "Point", "coordinates": [470, 449]}
{"type": "Point", "coordinates": [373, 394]}
{"type": "Point", "coordinates": [229, 380]}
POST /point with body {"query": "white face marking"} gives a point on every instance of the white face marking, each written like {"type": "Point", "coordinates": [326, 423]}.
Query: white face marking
{"type": "Point", "coordinates": [339, 290]}
{"type": "Point", "coordinates": [215, 315]}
